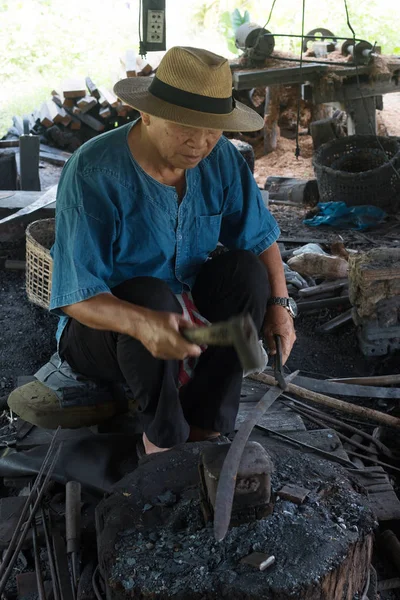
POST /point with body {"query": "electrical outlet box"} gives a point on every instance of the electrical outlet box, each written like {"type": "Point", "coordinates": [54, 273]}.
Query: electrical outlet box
{"type": "Point", "coordinates": [154, 25]}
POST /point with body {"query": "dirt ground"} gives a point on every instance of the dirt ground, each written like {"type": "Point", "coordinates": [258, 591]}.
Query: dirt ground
{"type": "Point", "coordinates": [283, 161]}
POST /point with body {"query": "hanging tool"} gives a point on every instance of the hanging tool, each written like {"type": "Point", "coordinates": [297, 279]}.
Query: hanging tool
{"type": "Point", "coordinates": [73, 527]}
{"type": "Point", "coordinates": [227, 480]}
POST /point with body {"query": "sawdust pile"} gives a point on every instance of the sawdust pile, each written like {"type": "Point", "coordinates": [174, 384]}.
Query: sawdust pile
{"type": "Point", "coordinates": [283, 161]}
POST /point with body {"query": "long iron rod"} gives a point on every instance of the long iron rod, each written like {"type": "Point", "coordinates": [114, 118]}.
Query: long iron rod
{"type": "Point", "coordinates": [27, 504]}
{"type": "Point", "coordinates": [36, 556]}
{"type": "Point", "coordinates": [50, 555]}
{"type": "Point", "coordinates": [332, 420]}
{"type": "Point", "coordinates": [6, 575]}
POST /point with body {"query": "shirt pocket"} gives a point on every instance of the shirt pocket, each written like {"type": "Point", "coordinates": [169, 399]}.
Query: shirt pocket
{"type": "Point", "coordinates": [207, 234]}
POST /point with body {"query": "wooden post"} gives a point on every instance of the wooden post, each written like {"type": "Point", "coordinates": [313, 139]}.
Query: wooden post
{"type": "Point", "coordinates": [361, 116]}
{"type": "Point", "coordinates": [271, 116]}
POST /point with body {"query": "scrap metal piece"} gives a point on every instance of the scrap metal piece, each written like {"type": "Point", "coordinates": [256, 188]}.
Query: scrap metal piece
{"type": "Point", "coordinates": [73, 526]}
{"type": "Point", "coordinates": [61, 562]}
{"type": "Point", "coordinates": [227, 481]}
{"type": "Point", "coordinates": [258, 560]}
{"type": "Point", "coordinates": [293, 493]}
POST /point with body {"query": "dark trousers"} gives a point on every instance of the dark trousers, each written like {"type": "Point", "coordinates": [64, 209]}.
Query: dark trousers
{"type": "Point", "coordinates": [226, 286]}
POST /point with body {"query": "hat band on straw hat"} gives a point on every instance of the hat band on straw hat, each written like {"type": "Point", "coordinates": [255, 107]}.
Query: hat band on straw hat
{"type": "Point", "coordinates": [184, 99]}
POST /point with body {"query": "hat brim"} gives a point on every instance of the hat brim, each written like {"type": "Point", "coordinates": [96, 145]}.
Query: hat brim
{"type": "Point", "coordinates": [134, 91]}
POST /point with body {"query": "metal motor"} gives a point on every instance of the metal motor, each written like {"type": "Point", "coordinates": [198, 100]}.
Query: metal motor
{"type": "Point", "coordinates": [361, 51]}
{"type": "Point", "coordinates": [256, 42]}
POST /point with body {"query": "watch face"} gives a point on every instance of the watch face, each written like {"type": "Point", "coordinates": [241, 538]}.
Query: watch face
{"type": "Point", "coordinates": [293, 307]}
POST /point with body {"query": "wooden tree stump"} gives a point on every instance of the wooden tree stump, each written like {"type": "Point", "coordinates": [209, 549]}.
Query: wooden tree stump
{"type": "Point", "coordinates": [153, 542]}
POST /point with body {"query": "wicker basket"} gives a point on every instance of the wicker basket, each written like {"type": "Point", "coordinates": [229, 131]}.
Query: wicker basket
{"type": "Point", "coordinates": [360, 169]}
{"type": "Point", "coordinates": [39, 264]}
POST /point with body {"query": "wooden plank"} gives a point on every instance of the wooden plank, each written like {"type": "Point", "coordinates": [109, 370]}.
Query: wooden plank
{"type": "Point", "coordinates": [62, 117]}
{"type": "Point", "coordinates": [146, 71]}
{"type": "Point", "coordinates": [109, 96]}
{"type": "Point", "coordinates": [9, 144]}
{"type": "Point", "coordinates": [74, 88]}
{"type": "Point", "coordinates": [15, 265]}
{"type": "Point", "coordinates": [348, 91]}
{"type": "Point", "coordinates": [374, 380]}
{"type": "Point", "coordinates": [246, 80]}
{"type": "Point", "coordinates": [105, 112]}
{"type": "Point", "coordinates": [324, 287]}
{"type": "Point", "coordinates": [68, 103]}
{"type": "Point", "coordinates": [103, 101]}
{"type": "Point", "coordinates": [53, 159]}
{"type": "Point", "coordinates": [130, 63]}
{"type": "Point", "coordinates": [323, 439]}
{"type": "Point", "coordinates": [382, 498]}
{"type": "Point", "coordinates": [57, 99]}
{"type": "Point", "coordinates": [343, 389]}
{"type": "Point", "coordinates": [93, 91]}
{"type": "Point", "coordinates": [86, 103]}
{"type": "Point", "coordinates": [278, 419]}
{"type": "Point", "coordinates": [56, 151]}
{"type": "Point", "coordinates": [75, 124]}
{"type": "Point", "coordinates": [91, 122]}
{"type": "Point", "coordinates": [48, 112]}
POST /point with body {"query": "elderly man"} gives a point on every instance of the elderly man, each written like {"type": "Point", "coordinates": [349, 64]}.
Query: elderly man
{"type": "Point", "coordinates": [139, 211]}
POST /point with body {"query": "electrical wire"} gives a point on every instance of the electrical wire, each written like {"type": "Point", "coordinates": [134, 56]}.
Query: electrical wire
{"type": "Point", "coordinates": [142, 50]}
{"type": "Point", "coordinates": [270, 14]}
{"type": "Point", "coordinates": [297, 152]}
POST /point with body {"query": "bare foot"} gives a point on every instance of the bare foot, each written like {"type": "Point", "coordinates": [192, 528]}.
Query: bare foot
{"type": "Point", "coordinates": [151, 448]}
{"type": "Point", "coordinates": [200, 435]}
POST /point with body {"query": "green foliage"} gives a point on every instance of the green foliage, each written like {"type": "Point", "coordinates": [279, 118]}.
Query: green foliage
{"type": "Point", "coordinates": [45, 41]}
{"type": "Point", "coordinates": [228, 24]}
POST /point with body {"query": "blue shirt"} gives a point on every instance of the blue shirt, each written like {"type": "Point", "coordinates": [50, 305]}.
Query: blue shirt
{"type": "Point", "coordinates": [115, 222]}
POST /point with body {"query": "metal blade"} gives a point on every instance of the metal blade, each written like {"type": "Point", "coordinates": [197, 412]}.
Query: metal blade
{"type": "Point", "coordinates": [47, 198]}
{"type": "Point", "coordinates": [227, 479]}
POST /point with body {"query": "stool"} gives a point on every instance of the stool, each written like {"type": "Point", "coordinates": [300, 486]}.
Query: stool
{"type": "Point", "coordinates": [37, 404]}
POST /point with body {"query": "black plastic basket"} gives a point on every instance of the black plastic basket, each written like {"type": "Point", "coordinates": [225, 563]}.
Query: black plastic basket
{"type": "Point", "coordinates": [360, 169]}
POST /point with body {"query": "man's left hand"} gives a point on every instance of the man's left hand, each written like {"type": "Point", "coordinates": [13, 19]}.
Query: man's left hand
{"type": "Point", "coordinates": [279, 322]}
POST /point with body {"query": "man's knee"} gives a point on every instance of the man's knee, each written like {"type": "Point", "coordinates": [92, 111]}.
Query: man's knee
{"type": "Point", "coordinates": [149, 292]}
{"type": "Point", "coordinates": [246, 268]}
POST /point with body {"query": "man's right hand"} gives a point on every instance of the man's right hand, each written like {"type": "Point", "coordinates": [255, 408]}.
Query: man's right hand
{"type": "Point", "coordinates": [160, 334]}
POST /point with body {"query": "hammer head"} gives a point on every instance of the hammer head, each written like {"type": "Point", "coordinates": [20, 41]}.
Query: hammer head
{"type": "Point", "coordinates": [239, 332]}
{"type": "Point", "coordinates": [247, 345]}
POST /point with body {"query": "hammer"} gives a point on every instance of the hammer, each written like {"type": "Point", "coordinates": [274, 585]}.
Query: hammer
{"type": "Point", "coordinates": [239, 332]}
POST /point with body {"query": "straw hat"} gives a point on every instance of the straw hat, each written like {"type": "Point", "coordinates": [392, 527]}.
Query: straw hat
{"type": "Point", "coordinates": [192, 87]}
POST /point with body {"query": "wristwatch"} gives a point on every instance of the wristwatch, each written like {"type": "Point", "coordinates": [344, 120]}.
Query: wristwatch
{"type": "Point", "coordinates": [287, 303]}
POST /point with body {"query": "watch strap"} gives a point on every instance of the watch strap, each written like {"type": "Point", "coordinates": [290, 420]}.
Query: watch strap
{"type": "Point", "coordinates": [278, 300]}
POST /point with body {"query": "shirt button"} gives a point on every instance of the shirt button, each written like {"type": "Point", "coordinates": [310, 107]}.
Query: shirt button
{"type": "Point", "coordinates": [179, 238]}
